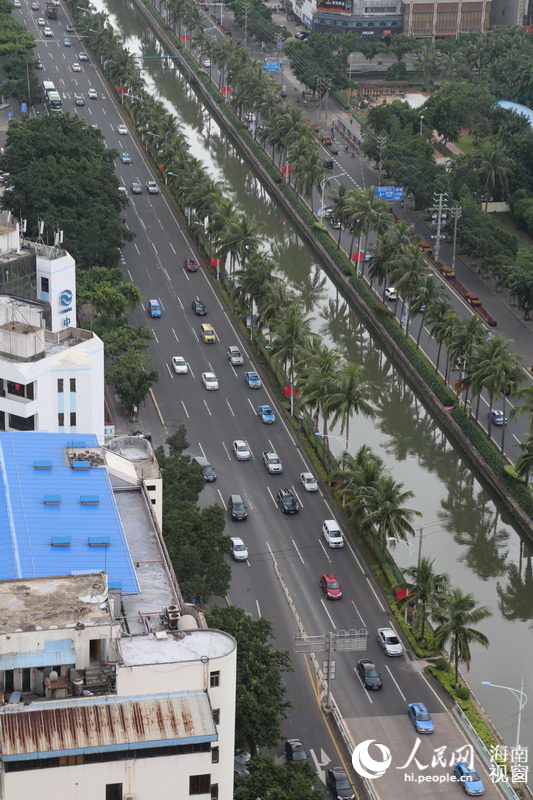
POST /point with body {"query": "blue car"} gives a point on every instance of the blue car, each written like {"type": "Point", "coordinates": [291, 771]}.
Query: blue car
{"type": "Point", "coordinates": [498, 417]}
{"type": "Point", "coordinates": [468, 778]}
{"type": "Point", "coordinates": [266, 414]}
{"type": "Point", "coordinates": [125, 158]}
{"type": "Point", "coordinates": [154, 309]}
{"type": "Point", "coordinates": [67, 42]}
{"type": "Point", "coordinates": [252, 380]}
{"type": "Point", "coordinates": [420, 717]}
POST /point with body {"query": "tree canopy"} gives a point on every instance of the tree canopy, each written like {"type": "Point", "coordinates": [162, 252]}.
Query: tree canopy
{"type": "Point", "coordinates": [276, 781]}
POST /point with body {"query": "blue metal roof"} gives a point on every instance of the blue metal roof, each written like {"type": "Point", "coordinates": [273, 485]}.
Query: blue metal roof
{"type": "Point", "coordinates": [28, 525]}
{"type": "Point", "coordinates": [518, 108]}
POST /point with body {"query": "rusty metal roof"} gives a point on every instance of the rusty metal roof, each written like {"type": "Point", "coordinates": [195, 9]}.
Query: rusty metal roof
{"type": "Point", "coordinates": [85, 725]}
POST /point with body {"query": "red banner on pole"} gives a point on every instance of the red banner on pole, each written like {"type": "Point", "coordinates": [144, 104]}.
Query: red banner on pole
{"type": "Point", "coordinates": [286, 169]}
{"type": "Point", "coordinates": [359, 256]}
{"type": "Point", "coordinates": [401, 594]}
{"type": "Point", "coordinates": [185, 37]}
{"type": "Point", "coordinates": [215, 262]}
{"type": "Point", "coordinates": [226, 90]}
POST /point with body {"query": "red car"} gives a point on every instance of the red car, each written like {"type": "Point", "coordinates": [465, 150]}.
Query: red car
{"type": "Point", "coordinates": [190, 265]}
{"type": "Point", "coordinates": [330, 586]}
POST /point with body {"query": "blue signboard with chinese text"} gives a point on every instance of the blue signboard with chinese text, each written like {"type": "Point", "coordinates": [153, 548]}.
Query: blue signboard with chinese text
{"type": "Point", "coordinates": [391, 193]}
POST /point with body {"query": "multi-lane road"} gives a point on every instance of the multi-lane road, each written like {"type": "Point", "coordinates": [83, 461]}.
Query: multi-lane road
{"type": "Point", "coordinates": [154, 262]}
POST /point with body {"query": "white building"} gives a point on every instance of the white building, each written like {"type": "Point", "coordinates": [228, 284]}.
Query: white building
{"type": "Point", "coordinates": [370, 18]}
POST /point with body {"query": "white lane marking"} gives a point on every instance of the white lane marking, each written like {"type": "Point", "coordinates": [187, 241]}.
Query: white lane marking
{"type": "Point", "coordinates": [359, 614]}
{"type": "Point", "coordinates": [271, 445]}
{"type": "Point", "coordinates": [167, 275]}
{"type": "Point", "coordinates": [271, 495]}
{"type": "Point", "coordinates": [230, 408]}
{"type": "Point", "coordinates": [434, 692]}
{"type": "Point", "coordinates": [324, 549]}
{"type": "Point", "coordinates": [258, 609]}
{"type": "Point", "coordinates": [234, 370]}
{"type": "Point", "coordinates": [404, 698]}
{"type": "Point", "coordinates": [162, 306]}
{"type": "Point", "coordinates": [155, 337]}
{"type": "Point", "coordinates": [172, 247]}
{"type": "Point", "coordinates": [251, 406]}
{"type": "Point", "coordinates": [327, 612]}
{"type": "Point", "coordinates": [186, 412]}
{"type": "Point", "coordinates": [226, 449]}
{"type": "Point", "coordinates": [221, 498]}
{"type": "Point", "coordinates": [376, 595]}
{"type": "Point", "coordinates": [352, 551]}
{"type": "Point", "coordinates": [129, 273]}
{"type": "Point", "coordinates": [184, 272]}
{"type": "Point", "coordinates": [175, 334]}
{"type": "Point", "coordinates": [516, 437]}
{"type": "Point", "coordinates": [208, 411]}
{"type": "Point", "coordinates": [169, 371]}
{"type": "Point", "coordinates": [248, 563]}
{"type": "Point", "coordinates": [297, 497]}
{"type": "Point", "coordinates": [361, 682]}
{"type": "Point", "coordinates": [250, 449]}
{"type": "Point", "coordinates": [190, 370]}
{"type": "Point", "coordinates": [181, 304]}
{"type": "Point", "coordinates": [270, 551]}
{"type": "Point", "coordinates": [197, 337]}
{"type": "Point", "coordinates": [296, 548]}
{"type": "Point", "coordinates": [135, 246]}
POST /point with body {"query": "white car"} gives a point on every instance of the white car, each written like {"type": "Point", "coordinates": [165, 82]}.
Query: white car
{"type": "Point", "coordinates": [152, 187]}
{"type": "Point", "coordinates": [206, 63]}
{"type": "Point", "coordinates": [308, 482]}
{"type": "Point", "coordinates": [48, 32]}
{"type": "Point", "coordinates": [16, 3]}
{"type": "Point", "coordinates": [391, 293]}
{"type": "Point", "coordinates": [390, 642]}
{"type": "Point", "coordinates": [76, 67]}
{"type": "Point", "coordinates": [41, 22]}
{"type": "Point", "coordinates": [179, 365]}
{"type": "Point", "coordinates": [83, 57]}
{"type": "Point", "coordinates": [241, 450]}
{"type": "Point", "coordinates": [92, 94]}
{"type": "Point", "coordinates": [210, 381]}
{"type": "Point", "coordinates": [239, 551]}
{"type": "Point", "coordinates": [122, 130]}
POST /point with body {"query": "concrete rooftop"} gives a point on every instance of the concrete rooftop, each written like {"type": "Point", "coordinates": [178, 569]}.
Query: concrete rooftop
{"type": "Point", "coordinates": [191, 646]}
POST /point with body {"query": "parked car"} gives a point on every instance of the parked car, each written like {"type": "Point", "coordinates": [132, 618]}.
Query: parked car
{"type": "Point", "coordinates": [390, 642]}
{"type": "Point", "coordinates": [154, 309]}
{"type": "Point", "coordinates": [420, 717]}
{"type": "Point", "coordinates": [366, 669]}
{"type": "Point", "coordinates": [295, 751]}
{"type": "Point", "coordinates": [207, 470]}
{"type": "Point", "coordinates": [468, 778]}
{"type": "Point", "coordinates": [330, 586]}
{"type": "Point", "coordinates": [239, 551]}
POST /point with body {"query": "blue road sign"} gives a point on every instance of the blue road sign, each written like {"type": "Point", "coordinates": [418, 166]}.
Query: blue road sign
{"type": "Point", "coordinates": [9, 114]}
{"type": "Point", "coordinates": [272, 66]}
{"type": "Point", "coordinates": [391, 193]}
{"type": "Point", "coordinates": [23, 108]}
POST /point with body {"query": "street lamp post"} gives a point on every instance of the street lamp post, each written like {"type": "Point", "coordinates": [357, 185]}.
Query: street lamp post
{"type": "Point", "coordinates": [421, 122]}
{"type": "Point", "coordinates": [520, 696]}
{"type": "Point", "coordinates": [322, 190]}
{"type": "Point", "coordinates": [172, 175]}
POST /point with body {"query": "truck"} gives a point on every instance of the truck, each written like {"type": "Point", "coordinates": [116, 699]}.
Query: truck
{"type": "Point", "coordinates": [51, 11]}
{"type": "Point", "coordinates": [272, 462]}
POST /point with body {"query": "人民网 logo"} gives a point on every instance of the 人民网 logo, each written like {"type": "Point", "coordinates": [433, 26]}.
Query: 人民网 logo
{"type": "Point", "coordinates": [365, 765]}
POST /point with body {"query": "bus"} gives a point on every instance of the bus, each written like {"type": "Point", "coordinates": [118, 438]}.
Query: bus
{"type": "Point", "coordinates": [48, 86]}
{"type": "Point", "coordinates": [53, 101]}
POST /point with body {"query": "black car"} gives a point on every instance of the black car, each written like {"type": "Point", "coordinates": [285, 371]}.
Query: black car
{"type": "Point", "coordinates": [339, 784]}
{"type": "Point", "coordinates": [142, 435]}
{"type": "Point", "coordinates": [78, 100]}
{"type": "Point", "coordinates": [369, 675]}
{"type": "Point", "coordinates": [237, 508]}
{"type": "Point", "coordinates": [199, 308]}
{"type": "Point", "coordinates": [207, 470]}
{"type": "Point", "coordinates": [295, 751]}
{"type": "Point", "coordinates": [287, 501]}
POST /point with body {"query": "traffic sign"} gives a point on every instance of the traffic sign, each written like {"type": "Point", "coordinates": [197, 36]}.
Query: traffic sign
{"type": "Point", "coordinates": [391, 193]}
{"type": "Point", "coordinates": [272, 66]}
{"type": "Point", "coordinates": [24, 108]}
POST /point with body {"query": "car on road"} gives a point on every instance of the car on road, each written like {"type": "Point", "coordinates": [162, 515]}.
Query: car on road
{"type": "Point", "coordinates": [210, 381]}
{"type": "Point", "coordinates": [69, 29]}
{"type": "Point", "coordinates": [208, 471]}
{"type": "Point", "coordinates": [48, 32]}
{"type": "Point", "coordinates": [329, 215]}
{"type": "Point", "coordinates": [122, 129]}
{"type": "Point", "coordinates": [237, 508]}
{"type": "Point", "coordinates": [391, 293]}
{"type": "Point", "coordinates": [79, 101]}
{"type": "Point", "coordinates": [17, 4]}
{"type": "Point", "coordinates": [179, 365]}
{"type": "Point", "coordinates": [121, 189]}
{"type": "Point", "coordinates": [266, 414]}
{"type": "Point", "coordinates": [241, 450]}
{"type": "Point", "coordinates": [38, 64]}
{"type": "Point", "coordinates": [272, 462]}
{"type": "Point", "coordinates": [330, 586]}
{"type": "Point", "coordinates": [35, 6]}
{"type": "Point", "coordinates": [252, 380]}
{"type": "Point", "coordinates": [136, 188]}
{"type": "Point", "coordinates": [338, 783]}
{"type": "Point", "coordinates": [332, 533]}
{"type": "Point", "coordinates": [206, 62]}
{"type": "Point", "coordinates": [207, 333]}
{"type": "Point", "coordinates": [287, 502]}
{"type": "Point", "coordinates": [125, 158]}
{"type": "Point", "coordinates": [295, 751]}
{"type": "Point", "coordinates": [308, 481]}
{"type": "Point", "coordinates": [142, 435]}
{"type": "Point", "coordinates": [420, 717]}
{"type": "Point", "coordinates": [303, 35]}
{"type": "Point", "coordinates": [497, 417]}
{"type": "Point", "coordinates": [468, 778]}
{"type": "Point", "coordinates": [239, 551]}
{"type": "Point", "coordinates": [67, 42]}
{"type": "Point", "coordinates": [152, 187]}
{"type": "Point", "coordinates": [41, 22]}
{"type": "Point", "coordinates": [76, 67]}
{"type": "Point", "coordinates": [154, 309]}
{"type": "Point", "coordinates": [92, 94]}
{"type": "Point", "coordinates": [242, 756]}
{"type": "Point", "coordinates": [390, 642]}
{"type": "Point", "coordinates": [370, 677]}
{"type": "Point", "coordinates": [83, 57]}
{"type": "Point", "coordinates": [235, 356]}
{"type": "Point", "coordinates": [190, 265]}
{"type": "Point", "coordinates": [199, 308]}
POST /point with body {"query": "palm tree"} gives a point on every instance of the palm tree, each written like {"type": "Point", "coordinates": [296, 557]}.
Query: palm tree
{"type": "Point", "coordinates": [385, 513]}
{"type": "Point", "coordinates": [524, 464]}
{"type": "Point", "coordinates": [351, 395]}
{"type": "Point", "coordinates": [493, 167]}
{"type": "Point", "coordinates": [425, 585]}
{"type": "Point", "coordinates": [525, 406]}
{"type": "Point", "coordinates": [408, 276]}
{"type": "Point", "coordinates": [438, 324]}
{"type": "Point", "coordinates": [291, 332]}
{"type": "Point", "coordinates": [454, 614]}
{"type": "Point", "coordinates": [373, 215]}
{"type": "Point", "coordinates": [309, 173]}
{"type": "Point", "coordinates": [239, 238]}
{"type": "Point", "coordinates": [496, 370]}
{"type": "Point", "coordinates": [428, 292]}
{"type": "Point", "coordinates": [315, 376]}
{"type": "Point", "coordinates": [357, 475]}
{"type": "Point", "coordinates": [338, 199]}
{"type": "Point", "coordinates": [468, 335]}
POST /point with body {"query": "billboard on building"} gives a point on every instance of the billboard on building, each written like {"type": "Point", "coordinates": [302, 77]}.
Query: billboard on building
{"type": "Point", "coordinates": [345, 6]}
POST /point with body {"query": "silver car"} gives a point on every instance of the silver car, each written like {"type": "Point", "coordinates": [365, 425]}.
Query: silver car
{"type": "Point", "coordinates": [239, 551]}
{"type": "Point", "coordinates": [241, 450]}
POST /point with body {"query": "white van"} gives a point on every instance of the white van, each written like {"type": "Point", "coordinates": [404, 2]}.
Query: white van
{"type": "Point", "coordinates": [332, 533]}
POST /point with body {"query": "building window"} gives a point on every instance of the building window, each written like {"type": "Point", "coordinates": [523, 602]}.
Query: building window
{"type": "Point", "coordinates": [150, 488]}
{"type": "Point", "coordinates": [73, 384]}
{"type": "Point", "coordinates": [72, 419]}
{"type": "Point", "coordinates": [214, 791]}
{"type": "Point", "coordinates": [61, 420]}
{"type": "Point", "coordinates": [216, 716]}
{"type": "Point", "coordinates": [60, 385]}
{"type": "Point", "coordinates": [214, 679]}
{"type": "Point", "coordinates": [214, 755]}
{"type": "Point", "coordinates": [113, 791]}
{"type": "Point", "coordinates": [199, 784]}
{"type": "Point", "coordinates": [153, 502]}
{"type": "Point", "coordinates": [16, 389]}
{"type": "Point", "coordinates": [45, 285]}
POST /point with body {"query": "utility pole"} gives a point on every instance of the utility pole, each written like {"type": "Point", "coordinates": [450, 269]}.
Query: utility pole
{"type": "Point", "coordinates": [439, 216]}
{"type": "Point", "coordinates": [381, 142]}
{"type": "Point", "coordinates": [245, 8]}
{"type": "Point", "coordinates": [328, 86]}
{"type": "Point", "coordinates": [420, 537]}
{"type": "Point", "coordinates": [320, 87]}
{"type": "Point", "coordinates": [456, 216]}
